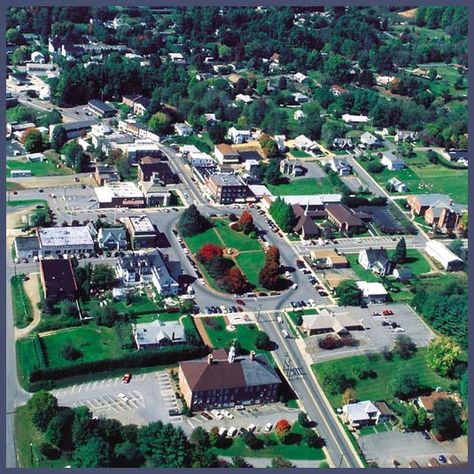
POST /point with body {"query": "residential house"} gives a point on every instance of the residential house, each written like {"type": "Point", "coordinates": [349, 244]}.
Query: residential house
{"type": "Point", "coordinates": [427, 402]}
{"type": "Point", "coordinates": [328, 258]}
{"type": "Point", "coordinates": [112, 238]}
{"type": "Point", "coordinates": [303, 143]}
{"type": "Point", "coordinates": [342, 144]}
{"type": "Point", "coordinates": [384, 81]}
{"type": "Point", "coordinates": [130, 99]}
{"type": "Point", "coordinates": [366, 413]}
{"type": "Point", "coordinates": [325, 322]}
{"type": "Point", "coordinates": [439, 252]}
{"type": "Point", "coordinates": [337, 90]}
{"type": "Point", "coordinates": [300, 77]}
{"type": "Point", "coordinates": [223, 380]}
{"type": "Point", "coordinates": [376, 260]}
{"type": "Point", "coordinates": [152, 268]}
{"type": "Point", "coordinates": [199, 159]}
{"type": "Point", "coordinates": [299, 114]}
{"type": "Point", "coordinates": [291, 168]}
{"type": "Point", "coordinates": [177, 58]}
{"type": "Point", "coordinates": [372, 292]}
{"type": "Point", "coordinates": [369, 140]}
{"type": "Point", "coordinates": [397, 185]}
{"type": "Point", "coordinates": [246, 99]}
{"type": "Point", "coordinates": [158, 334]}
{"type": "Point", "coordinates": [392, 162]}
{"type": "Point", "coordinates": [140, 105]}
{"type": "Point", "coordinates": [239, 136]}
{"type": "Point", "coordinates": [355, 119]}
{"type": "Point", "coordinates": [280, 141]}
{"type": "Point", "coordinates": [340, 166]}
{"type": "Point", "coordinates": [344, 217]}
{"type": "Point", "coordinates": [225, 154]}
{"type": "Point", "coordinates": [183, 129]}
{"type": "Point", "coordinates": [403, 274]}
{"type": "Point", "coordinates": [142, 232]}
{"type": "Point", "coordinates": [38, 57]}
{"type": "Point", "coordinates": [420, 203]}
{"type": "Point", "coordinates": [300, 98]}
{"type": "Point", "coordinates": [57, 278]}
{"type": "Point", "coordinates": [405, 136]}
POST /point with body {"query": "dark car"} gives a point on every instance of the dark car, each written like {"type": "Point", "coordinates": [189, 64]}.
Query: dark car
{"type": "Point", "coordinates": [426, 435]}
{"type": "Point", "coordinates": [241, 432]}
{"type": "Point", "coordinates": [239, 301]}
{"type": "Point", "coordinates": [40, 190]}
{"type": "Point", "coordinates": [102, 216]}
{"type": "Point", "coordinates": [77, 180]}
{"type": "Point", "coordinates": [206, 415]}
{"type": "Point", "coordinates": [442, 459]}
{"type": "Point", "coordinates": [234, 309]}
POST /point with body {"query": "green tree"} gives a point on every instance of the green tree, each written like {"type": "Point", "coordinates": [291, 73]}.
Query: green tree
{"type": "Point", "coordinates": [336, 381]}
{"type": "Point", "coordinates": [105, 316]}
{"type": "Point", "coordinates": [269, 146]}
{"type": "Point", "coordinates": [404, 346]}
{"type": "Point", "coordinates": [82, 426]}
{"type": "Point", "coordinates": [51, 118]}
{"type": "Point", "coordinates": [127, 454]}
{"type": "Point", "coordinates": [464, 388]}
{"type": "Point", "coordinates": [40, 218]}
{"type": "Point", "coordinates": [58, 138]}
{"type": "Point", "coordinates": [94, 453]}
{"type": "Point", "coordinates": [15, 37]}
{"type": "Point", "coordinates": [336, 69]}
{"type": "Point", "coordinates": [124, 168]}
{"type": "Point", "coordinates": [446, 418]}
{"type": "Point", "coordinates": [400, 254]}
{"type": "Point", "coordinates": [410, 420]}
{"type": "Point", "coordinates": [406, 384]}
{"type": "Point", "coordinates": [303, 419]}
{"type": "Point", "coordinates": [443, 354]}
{"type": "Point", "coordinates": [281, 463]}
{"type": "Point", "coordinates": [422, 419]}
{"type": "Point", "coordinates": [217, 132]}
{"type": "Point", "coordinates": [75, 157]}
{"type": "Point", "coordinates": [312, 439]}
{"type": "Point", "coordinates": [312, 122]}
{"type": "Point", "coordinates": [192, 222]}
{"type": "Point", "coordinates": [33, 140]}
{"type": "Point", "coordinates": [262, 341]}
{"type": "Point", "coordinates": [59, 428]}
{"type": "Point", "coordinates": [200, 438]}
{"type": "Point", "coordinates": [103, 277]}
{"type": "Point", "coordinates": [42, 406]}
{"type": "Point", "coordinates": [239, 461]}
{"type": "Point", "coordinates": [348, 293]}
{"type": "Point", "coordinates": [20, 55]}
{"type": "Point", "coordinates": [456, 246]}
{"type": "Point", "coordinates": [272, 172]}
{"type": "Point", "coordinates": [160, 123]}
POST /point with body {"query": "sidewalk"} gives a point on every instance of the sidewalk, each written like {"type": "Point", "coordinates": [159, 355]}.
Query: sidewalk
{"type": "Point", "coordinates": [266, 462]}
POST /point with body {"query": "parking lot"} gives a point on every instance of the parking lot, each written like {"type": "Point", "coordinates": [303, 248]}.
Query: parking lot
{"type": "Point", "coordinates": [150, 397]}
{"type": "Point", "coordinates": [383, 448]}
{"type": "Point", "coordinates": [376, 336]}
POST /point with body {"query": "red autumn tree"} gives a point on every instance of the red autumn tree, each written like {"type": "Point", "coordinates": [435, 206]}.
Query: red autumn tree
{"type": "Point", "coordinates": [208, 252]}
{"type": "Point", "coordinates": [245, 223]}
{"type": "Point", "coordinates": [282, 430]}
{"type": "Point", "coordinates": [234, 281]}
{"type": "Point", "coordinates": [269, 276]}
{"type": "Point", "coordinates": [272, 255]}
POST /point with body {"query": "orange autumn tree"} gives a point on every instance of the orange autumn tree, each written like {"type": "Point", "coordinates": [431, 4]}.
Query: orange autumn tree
{"type": "Point", "coordinates": [208, 252]}
{"type": "Point", "coordinates": [282, 430]}
{"type": "Point", "coordinates": [245, 223]}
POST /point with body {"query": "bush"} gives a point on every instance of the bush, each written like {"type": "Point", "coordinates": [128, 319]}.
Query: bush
{"type": "Point", "coordinates": [69, 352]}
{"type": "Point", "coordinates": [375, 167]}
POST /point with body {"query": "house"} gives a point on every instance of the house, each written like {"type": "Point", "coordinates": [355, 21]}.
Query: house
{"type": "Point", "coordinates": [238, 136]}
{"type": "Point", "coordinates": [340, 166]}
{"type": "Point", "coordinates": [130, 99]}
{"type": "Point", "coordinates": [21, 173]}
{"type": "Point", "coordinates": [375, 260]}
{"type": "Point", "coordinates": [446, 219]}
{"type": "Point", "coordinates": [140, 105]}
{"type": "Point", "coordinates": [300, 77]}
{"type": "Point", "coordinates": [250, 155]}
{"type": "Point", "coordinates": [152, 268]}
{"type": "Point", "coordinates": [344, 217]}
{"type": "Point", "coordinates": [183, 129]}
{"type": "Point", "coordinates": [291, 167]}
{"type": "Point", "coordinates": [224, 379]}
{"type": "Point", "coordinates": [227, 188]}
{"type": "Point", "coordinates": [56, 241]}
{"type": "Point", "coordinates": [342, 144]}
{"type": "Point", "coordinates": [355, 119]}
{"type": "Point", "coordinates": [74, 129]}
{"type": "Point", "coordinates": [392, 162]}
{"type": "Point", "coordinates": [177, 58]}
{"type": "Point", "coordinates": [458, 156]}
{"type": "Point", "coordinates": [35, 157]}
{"type": "Point", "coordinates": [142, 232]}
{"type": "Point", "coordinates": [402, 274]}
{"type": "Point", "coordinates": [232, 78]}
{"type": "Point", "coordinates": [199, 159]}
{"type": "Point", "coordinates": [280, 141]}
{"type": "Point", "coordinates": [246, 99]}
{"type": "Point", "coordinates": [112, 238]}
{"type": "Point", "coordinates": [119, 194]}
{"type": "Point", "coordinates": [57, 278]}
{"type": "Point", "coordinates": [106, 174]}
{"type": "Point", "coordinates": [397, 185]}
{"type": "Point", "coordinates": [372, 292]}
{"type": "Point", "coordinates": [225, 154]}
{"type": "Point", "coordinates": [299, 114]}
{"type": "Point", "coordinates": [337, 90]}
{"type": "Point", "coordinates": [27, 247]}
{"type": "Point", "coordinates": [405, 136]}
{"type": "Point", "coordinates": [365, 413]}
{"type": "Point", "coordinates": [439, 252]}
{"type": "Point", "coordinates": [328, 258]}
{"type": "Point", "coordinates": [303, 143]}
{"type": "Point", "coordinates": [300, 98]}
{"type": "Point", "coordinates": [152, 169]}
{"type": "Point", "coordinates": [101, 109]}
{"type": "Point", "coordinates": [369, 140]}
{"type": "Point", "coordinates": [38, 57]}
{"type": "Point", "coordinates": [158, 334]}
{"type": "Point", "coordinates": [384, 80]}
{"type": "Point", "coordinates": [211, 119]}
{"type": "Point", "coordinates": [305, 225]}
{"type": "Point", "coordinates": [326, 322]}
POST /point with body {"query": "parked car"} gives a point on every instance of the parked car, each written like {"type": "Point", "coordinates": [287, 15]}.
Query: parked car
{"type": "Point", "coordinates": [242, 430]}
{"type": "Point", "coordinates": [126, 378]}
{"type": "Point", "coordinates": [251, 428]}
{"type": "Point", "coordinates": [206, 415]}
{"type": "Point", "coordinates": [123, 397]}
{"type": "Point", "coordinates": [222, 432]}
{"type": "Point", "coordinates": [387, 312]}
{"type": "Point", "coordinates": [217, 414]}
{"type": "Point", "coordinates": [426, 435]}
{"type": "Point", "coordinates": [228, 414]}
{"type": "Point", "coordinates": [239, 407]}
{"type": "Point", "coordinates": [232, 431]}
{"type": "Point", "coordinates": [268, 427]}
{"type": "Point", "coordinates": [442, 459]}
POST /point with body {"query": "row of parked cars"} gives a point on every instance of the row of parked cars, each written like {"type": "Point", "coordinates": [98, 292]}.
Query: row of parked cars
{"type": "Point", "coordinates": [233, 431]}
{"type": "Point", "coordinates": [223, 309]}
{"type": "Point", "coordinates": [303, 304]}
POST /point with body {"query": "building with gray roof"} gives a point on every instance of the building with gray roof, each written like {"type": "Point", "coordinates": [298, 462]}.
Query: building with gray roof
{"type": "Point", "coordinates": [158, 334]}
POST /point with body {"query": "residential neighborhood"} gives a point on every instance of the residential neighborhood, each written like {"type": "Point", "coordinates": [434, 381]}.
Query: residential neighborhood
{"type": "Point", "coordinates": [236, 237]}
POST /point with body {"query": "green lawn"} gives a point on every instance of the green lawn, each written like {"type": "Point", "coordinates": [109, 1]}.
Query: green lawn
{"type": "Point", "coordinates": [379, 388]}
{"type": "Point", "coordinates": [296, 450]}
{"type": "Point", "coordinates": [204, 143]}
{"type": "Point", "coordinates": [303, 186]}
{"type": "Point", "coordinates": [236, 240]}
{"type": "Point", "coordinates": [44, 168]}
{"type": "Point", "coordinates": [27, 202]}
{"type": "Point", "coordinates": [422, 177]}
{"type": "Point", "coordinates": [141, 305]}
{"type": "Point", "coordinates": [195, 242]}
{"type": "Point", "coordinates": [29, 357]}
{"type": "Point", "coordinates": [298, 153]}
{"type": "Point", "coordinates": [415, 261]}
{"type": "Point", "coordinates": [21, 304]}
{"type": "Point", "coordinates": [360, 272]}
{"type": "Point", "coordinates": [251, 263]}
{"type": "Point", "coordinates": [95, 343]}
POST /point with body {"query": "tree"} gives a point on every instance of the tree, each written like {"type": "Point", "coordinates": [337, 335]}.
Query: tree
{"type": "Point", "coordinates": [245, 222]}
{"type": "Point", "coordinates": [42, 406]}
{"type": "Point", "coordinates": [40, 218]}
{"type": "Point", "coordinates": [409, 417]}
{"type": "Point", "coordinates": [32, 140]}
{"type": "Point", "coordinates": [239, 461]}
{"type": "Point", "coordinates": [442, 355]}
{"type": "Point", "coordinates": [348, 396]}
{"type": "Point", "coordinates": [58, 138]}
{"type": "Point", "coordinates": [51, 118]}
{"type": "Point", "coordinates": [127, 454]}
{"type": "Point", "coordinates": [375, 167]}
{"type": "Point", "coordinates": [208, 252]}
{"type": "Point", "coordinates": [75, 157]}
{"type": "Point", "coordinates": [94, 453]}
{"type": "Point", "coordinates": [406, 384]}
{"type": "Point", "coordinates": [269, 276]}
{"type": "Point", "coordinates": [69, 352]}
{"type": "Point", "coordinates": [124, 167]}
{"type": "Point", "coordinates": [456, 246]}
{"type": "Point", "coordinates": [269, 146]}
{"type": "Point", "coordinates": [68, 309]}
{"type": "Point", "coordinates": [200, 438]}
{"type": "Point", "coordinates": [262, 341]}
{"type": "Point", "coordinates": [272, 172]}
{"type": "Point", "coordinates": [103, 277]}
{"type": "Point", "coordinates": [303, 419]}
{"type": "Point", "coordinates": [348, 293]}
{"type": "Point", "coordinates": [280, 463]}
{"type": "Point", "coordinates": [400, 254]}
{"type": "Point", "coordinates": [59, 428]}
{"type": "Point", "coordinates": [446, 418]}
{"type": "Point", "coordinates": [105, 316]}
{"type": "Point", "coordinates": [234, 281]}
{"type": "Point", "coordinates": [336, 381]}
{"type": "Point", "coordinates": [217, 132]}
{"type": "Point", "coordinates": [312, 439]}
{"type": "Point", "coordinates": [251, 440]}
{"type": "Point", "coordinates": [160, 123]}
{"type": "Point", "coordinates": [192, 222]}
{"type": "Point", "coordinates": [214, 436]}
{"type": "Point", "coordinates": [404, 346]}
{"type": "Point", "coordinates": [15, 37]}
{"type": "Point", "coordinates": [272, 255]}
{"type": "Point", "coordinates": [282, 430]}
{"type": "Point", "coordinates": [464, 388]}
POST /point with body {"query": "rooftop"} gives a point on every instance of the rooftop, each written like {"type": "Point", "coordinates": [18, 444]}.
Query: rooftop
{"type": "Point", "coordinates": [222, 179]}
{"type": "Point", "coordinates": [58, 274]}
{"type": "Point", "coordinates": [125, 189]}
{"type": "Point", "coordinates": [158, 332]}
{"type": "Point", "coordinates": [141, 224]}
{"type": "Point", "coordinates": [61, 236]}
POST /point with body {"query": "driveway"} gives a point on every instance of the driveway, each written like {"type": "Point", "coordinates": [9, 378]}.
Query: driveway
{"type": "Point", "coordinates": [383, 448]}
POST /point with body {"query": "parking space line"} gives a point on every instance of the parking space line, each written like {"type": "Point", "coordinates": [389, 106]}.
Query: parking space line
{"type": "Point", "coordinates": [94, 385]}
{"type": "Point", "coordinates": [116, 381]}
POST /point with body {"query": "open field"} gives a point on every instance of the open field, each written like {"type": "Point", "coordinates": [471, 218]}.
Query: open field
{"type": "Point", "coordinates": [381, 387]}
{"type": "Point", "coordinates": [27, 202]}
{"type": "Point", "coordinates": [251, 263]}
{"type": "Point", "coordinates": [302, 186]}
{"type": "Point", "coordinates": [44, 168]}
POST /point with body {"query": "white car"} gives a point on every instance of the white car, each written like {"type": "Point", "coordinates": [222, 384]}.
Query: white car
{"type": "Point", "coordinates": [232, 431]}
{"type": "Point", "coordinates": [294, 286]}
{"type": "Point", "coordinates": [123, 397]}
{"type": "Point", "coordinates": [217, 414]}
{"type": "Point", "coordinates": [227, 414]}
{"type": "Point", "coordinates": [399, 329]}
{"type": "Point", "coordinates": [312, 302]}
{"type": "Point", "coordinates": [268, 428]}
{"type": "Point", "coordinates": [251, 428]}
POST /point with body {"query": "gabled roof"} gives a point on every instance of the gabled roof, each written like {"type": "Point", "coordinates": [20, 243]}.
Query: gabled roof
{"type": "Point", "coordinates": [376, 255]}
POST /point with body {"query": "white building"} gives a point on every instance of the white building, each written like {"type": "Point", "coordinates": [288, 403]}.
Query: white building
{"type": "Point", "coordinates": [280, 141]}
{"type": "Point", "coordinates": [299, 114]}
{"type": "Point", "coordinates": [239, 136]}
{"type": "Point", "coordinates": [300, 98]}
{"type": "Point", "coordinates": [348, 118]}
{"type": "Point", "coordinates": [38, 57]}
{"type": "Point", "coordinates": [398, 185]}
{"type": "Point", "coordinates": [372, 292]}
{"type": "Point", "coordinates": [302, 142]}
{"type": "Point", "coordinates": [183, 129]}
{"type": "Point", "coordinates": [246, 99]}
{"type": "Point", "coordinates": [300, 77]}
{"type": "Point", "coordinates": [392, 162]}
{"type": "Point", "coordinates": [119, 194]}
{"type": "Point", "coordinates": [448, 260]}
{"type": "Point", "coordinates": [202, 160]}
{"type": "Point", "coordinates": [54, 241]}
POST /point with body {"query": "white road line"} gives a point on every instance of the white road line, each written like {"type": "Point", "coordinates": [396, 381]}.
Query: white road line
{"type": "Point", "coordinates": [94, 385]}
{"type": "Point", "coordinates": [88, 386]}
{"type": "Point", "coordinates": [72, 390]}
{"type": "Point", "coordinates": [116, 381]}
{"type": "Point", "coordinates": [189, 421]}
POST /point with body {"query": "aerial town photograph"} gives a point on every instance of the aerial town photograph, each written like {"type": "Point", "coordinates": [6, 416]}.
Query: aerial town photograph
{"type": "Point", "coordinates": [236, 237]}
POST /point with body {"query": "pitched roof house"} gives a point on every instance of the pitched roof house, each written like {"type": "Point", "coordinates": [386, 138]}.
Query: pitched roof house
{"type": "Point", "coordinates": [157, 334]}
{"type": "Point", "coordinates": [375, 260]}
{"type": "Point", "coordinates": [392, 162]}
{"type": "Point", "coordinates": [112, 238]}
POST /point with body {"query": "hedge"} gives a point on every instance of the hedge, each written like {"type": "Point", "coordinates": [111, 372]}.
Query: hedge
{"type": "Point", "coordinates": [145, 358]}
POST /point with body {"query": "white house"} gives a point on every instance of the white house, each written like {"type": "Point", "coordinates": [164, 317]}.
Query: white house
{"type": "Point", "coordinates": [392, 162]}
{"type": "Point", "coordinates": [157, 334]}
{"type": "Point", "coordinates": [449, 260]}
{"type": "Point", "coordinates": [372, 292]}
{"type": "Point", "coordinates": [300, 98]}
{"type": "Point", "coordinates": [112, 238]}
{"type": "Point", "coordinates": [38, 57]}
{"type": "Point", "coordinates": [246, 99]}
{"type": "Point", "coordinates": [201, 160]}
{"type": "Point", "coordinates": [300, 77]}
{"type": "Point", "coordinates": [340, 166]}
{"type": "Point", "coordinates": [365, 413]}
{"type": "Point", "coordinates": [302, 142]}
{"type": "Point", "coordinates": [398, 185]}
{"type": "Point", "coordinates": [299, 114]}
{"type": "Point", "coordinates": [280, 141]}
{"type": "Point", "coordinates": [183, 129]}
{"type": "Point", "coordinates": [368, 139]}
{"type": "Point", "coordinates": [375, 260]}
{"type": "Point", "coordinates": [384, 80]}
{"type": "Point", "coordinates": [348, 118]}
{"type": "Point", "coordinates": [239, 136]}
{"type": "Point", "coordinates": [405, 135]}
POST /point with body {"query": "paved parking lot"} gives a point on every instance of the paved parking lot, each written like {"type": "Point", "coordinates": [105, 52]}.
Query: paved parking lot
{"type": "Point", "coordinates": [383, 448]}
{"type": "Point", "coordinates": [375, 336]}
{"type": "Point", "coordinates": [150, 397]}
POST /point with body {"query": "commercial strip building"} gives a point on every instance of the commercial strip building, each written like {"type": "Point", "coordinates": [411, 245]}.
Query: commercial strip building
{"type": "Point", "coordinates": [142, 232]}
{"type": "Point", "coordinates": [224, 380]}
{"type": "Point", "coordinates": [372, 292]}
{"type": "Point", "coordinates": [227, 188]}
{"type": "Point", "coordinates": [119, 194]}
{"type": "Point", "coordinates": [335, 321]}
{"type": "Point", "coordinates": [54, 241]}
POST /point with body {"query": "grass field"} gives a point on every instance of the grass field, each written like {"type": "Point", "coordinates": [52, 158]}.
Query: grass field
{"type": "Point", "coordinates": [27, 202]}
{"type": "Point", "coordinates": [44, 168]}
{"type": "Point", "coordinates": [141, 304]}
{"type": "Point", "coordinates": [204, 143]}
{"type": "Point", "coordinates": [421, 177]}
{"type": "Point", "coordinates": [95, 343]}
{"type": "Point", "coordinates": [296, 450]}
{"type": "Point", "coordinates": [299, 153]}
{"type": "Point", "coordinates": [195, 242]}
{"type": "Point", "coordinates": [251, 263]}
{"type": "Point", "coordinates": [29, 356]}
{"type": "Point", "coordinates": [379, 388]}
{"type": "Point", "coordinates": [302, 186]}
{"type": "Point", "coordinates": [21, 304]}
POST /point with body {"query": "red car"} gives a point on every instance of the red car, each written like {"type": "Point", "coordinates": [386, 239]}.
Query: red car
{"type": "Point", "coordinates": [126, 378]}
{"type": "Point", "coordinates": [239, 301]}
{"type": "Point", "coordinates": [387, 312]}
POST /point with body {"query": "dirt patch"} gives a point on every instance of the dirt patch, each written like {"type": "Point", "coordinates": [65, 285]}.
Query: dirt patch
{"type": "Point", "coordinates": [14, 224]}
{"type": "Point", "coordinates": [32, 291]}
{"type": "Point", "coordinates": [199, 322]}
{"type": "Point", "coordinates": [52, 181]}
{"type": "Point", "coordinates": [409, 13]}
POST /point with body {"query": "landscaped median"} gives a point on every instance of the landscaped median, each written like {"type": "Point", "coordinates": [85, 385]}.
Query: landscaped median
{"type": "Point", "coordinates": [21, 304]}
